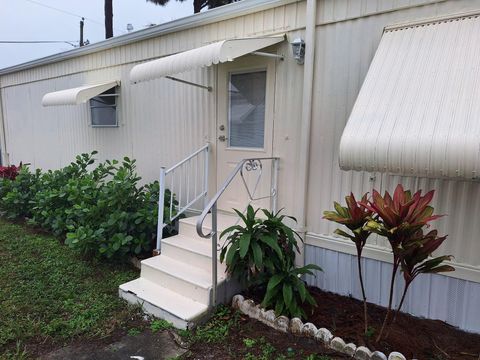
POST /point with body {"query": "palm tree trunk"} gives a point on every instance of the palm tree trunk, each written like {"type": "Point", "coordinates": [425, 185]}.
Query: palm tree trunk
{"type": "Point", "coordinates": [197, 6]}
{"type": "Point", "coordinates": [108, 19]}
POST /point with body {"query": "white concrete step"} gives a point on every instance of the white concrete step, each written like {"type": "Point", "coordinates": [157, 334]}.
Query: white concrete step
{"type": "Point", "coordinates": [191, 251]}
{"type": "Point", "coordinates": [187, 280]}
{"type": "Point", "coordinates": [177, 285]}
{"type": "Point", "coordinates": [163, 302]}
{"type": "Point", "coordinates": [188, 226]}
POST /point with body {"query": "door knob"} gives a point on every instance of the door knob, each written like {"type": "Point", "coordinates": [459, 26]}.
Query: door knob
{"type": "Point", "coordinates": [222, 138]}
{"type": "Point", "coordinates": [222, 127]}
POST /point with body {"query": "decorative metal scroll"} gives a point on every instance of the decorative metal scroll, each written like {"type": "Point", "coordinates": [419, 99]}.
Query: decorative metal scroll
{"type": "Point", "coordinates": [254, 165]}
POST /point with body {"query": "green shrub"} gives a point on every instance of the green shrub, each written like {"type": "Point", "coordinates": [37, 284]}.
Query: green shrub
{"type": "Point", "coordinates": [261, 253]}
{"type": "Point", "coordinates": [101, 208]}
{"type": "Point", "coordinates": [123, 218]}
{"type": "Point", "coordinates": [16, 195]}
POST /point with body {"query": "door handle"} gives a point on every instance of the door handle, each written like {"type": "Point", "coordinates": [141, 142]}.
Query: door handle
{"type": "Point", "coordinates": [222, 138]}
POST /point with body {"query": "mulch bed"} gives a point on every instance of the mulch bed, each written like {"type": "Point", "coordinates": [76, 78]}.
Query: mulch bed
{"type": "Point", "coordinates": [414, 337]}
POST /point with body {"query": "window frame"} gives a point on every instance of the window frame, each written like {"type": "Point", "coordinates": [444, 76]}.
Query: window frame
{"type": "Point", "coordinates": [116, 96]}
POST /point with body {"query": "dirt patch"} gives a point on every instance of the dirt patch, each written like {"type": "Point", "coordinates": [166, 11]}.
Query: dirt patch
{"type": "Point", "coordinates": [268, 344]}
{"type": "Point", "coordinates": [147, 345]}
{"type": "Point", "coordinates": [412, 336]}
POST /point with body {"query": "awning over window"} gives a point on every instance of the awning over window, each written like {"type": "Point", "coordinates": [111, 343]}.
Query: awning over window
{"type": "Point", "coordinates": [77, 95]}
{"type": "Point", "coordinates": [418, 111]}
{"type": "Point", "coordinates": [219, 52]}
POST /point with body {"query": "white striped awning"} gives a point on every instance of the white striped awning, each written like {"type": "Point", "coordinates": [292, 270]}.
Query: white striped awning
{"type": "Point", "coordinates": [219, 52]}
{"type": "Point", "coordinates": [418, 111]}
{"type": "Point", "coordinates": [77, 95]}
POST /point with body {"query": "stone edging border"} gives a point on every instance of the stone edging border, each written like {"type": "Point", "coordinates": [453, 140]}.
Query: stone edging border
{"type": "Point", "coordinates": [297, 327]}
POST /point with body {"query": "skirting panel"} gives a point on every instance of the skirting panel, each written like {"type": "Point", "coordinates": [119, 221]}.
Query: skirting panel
{"type": "Point", "coordinates": [433, 296]}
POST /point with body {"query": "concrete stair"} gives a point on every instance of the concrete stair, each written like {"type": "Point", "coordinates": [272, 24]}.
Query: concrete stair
{"type": "Point", "coordinates": [177, 285]}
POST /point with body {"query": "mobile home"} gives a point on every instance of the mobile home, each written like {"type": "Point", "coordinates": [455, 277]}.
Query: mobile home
{"type": "Point", "coordinates": [323, 96]}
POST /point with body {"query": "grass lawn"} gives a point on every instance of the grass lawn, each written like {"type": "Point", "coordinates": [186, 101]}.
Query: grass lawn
{"type": "Point", "coordinates": [50, 297]}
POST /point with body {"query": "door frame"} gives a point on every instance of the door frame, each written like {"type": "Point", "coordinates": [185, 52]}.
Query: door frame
{"type": "Point", "coordinates": [246, 64]}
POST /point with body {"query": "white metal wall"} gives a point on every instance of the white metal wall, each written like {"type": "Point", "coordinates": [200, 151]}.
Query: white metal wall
{"type": "Point", "coordinates": [156, 126]}
{"type": "Point", "coordinates": [431, 296]}
{"type": "Point", "coordinates": [344, 51]}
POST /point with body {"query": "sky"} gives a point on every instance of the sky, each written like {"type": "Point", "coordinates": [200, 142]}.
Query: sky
{"type": "Point", "coordinates": [28, 20]}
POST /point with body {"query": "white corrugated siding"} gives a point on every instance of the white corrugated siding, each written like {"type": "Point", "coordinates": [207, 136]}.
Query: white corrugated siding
{"type": "Point", "coordinates": [432, 296]}
{"type": "Point", "coordinates": [344, 53]}
{"type": "Point", "coordinates": [156, 127]}
{"type": "Point", "coordinates": [417, 112]}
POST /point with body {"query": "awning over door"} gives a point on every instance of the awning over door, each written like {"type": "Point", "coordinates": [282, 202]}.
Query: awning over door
{"type": "Point", "coordinates": [77, 95]}
{"type": "Point", "coordinates": [219, 52]}
{"type": "Point", "coordinates": [418, 111]}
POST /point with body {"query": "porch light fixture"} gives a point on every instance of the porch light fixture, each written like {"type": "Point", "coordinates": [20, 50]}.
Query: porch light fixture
{"type": "Point", "coordinates": [298, 49]}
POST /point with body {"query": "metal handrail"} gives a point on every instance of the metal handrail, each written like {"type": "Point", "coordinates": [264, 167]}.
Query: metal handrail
{"type": "Point", "coordinates": [203, 191]}
{"type": "Point", "coordinates": [212, 207]}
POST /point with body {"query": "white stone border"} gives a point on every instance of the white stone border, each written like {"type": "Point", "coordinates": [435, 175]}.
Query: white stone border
{"type": "Point", "coordinates": [297, 327]}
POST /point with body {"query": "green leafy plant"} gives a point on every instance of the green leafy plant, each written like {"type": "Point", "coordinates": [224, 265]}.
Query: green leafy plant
{"type": "Point", "coordinates": [249, 343]}
{"type": "Point", "coordinates": [218, 327]}
{"type": "Point", "coordinates": [122, 220]}
{"type": "Point", "coordinates": [354, 217]}
{"type": "Point", "coordinates": [159, 325]}
{"type": "Point", "coordinates": [253, 250]}
{"type": "Point", "coordinates": [261, 252]}
{"type": "Point", "coordinates": [100, 208]}
{"type": "Point", "coordinates": [286, 291]}
{"type": "Point", "coordinates": [16, 195]}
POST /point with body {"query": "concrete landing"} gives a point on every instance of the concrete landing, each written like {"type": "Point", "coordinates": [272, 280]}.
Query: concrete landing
{"type": "Point", "coordinates": [145, 346]}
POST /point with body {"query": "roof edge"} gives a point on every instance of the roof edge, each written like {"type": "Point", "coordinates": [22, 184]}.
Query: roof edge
{"type": "Point", "coordinates": [221, 13]}
{"type": "Point", "coordinates": [432, 20]}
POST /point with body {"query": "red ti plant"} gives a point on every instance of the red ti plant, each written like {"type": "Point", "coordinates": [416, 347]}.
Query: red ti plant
{"type": "Point", "coordinates": [413, 259]}
{"type": "Point", "coordinates": [400, 219]}
{"type": "Point", "coordinates": [354, 217]}
{"type": "Point", "coordinates": [9, 172]}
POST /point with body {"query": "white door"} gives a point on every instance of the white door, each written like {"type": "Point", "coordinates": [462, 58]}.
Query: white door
{"type": "Point", "coordinates": [245, 128]}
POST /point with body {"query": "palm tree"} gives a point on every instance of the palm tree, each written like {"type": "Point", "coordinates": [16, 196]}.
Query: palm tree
{"type": "Point", "coordinates": [198, 5]}
{"type": "Point", "coordinates": [108, 8]}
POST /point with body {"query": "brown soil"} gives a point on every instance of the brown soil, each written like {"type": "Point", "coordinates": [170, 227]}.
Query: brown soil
{"type": "Point", "coordinates": [233, 347]}
{"type": "Point", "coordinates": [414, 337]}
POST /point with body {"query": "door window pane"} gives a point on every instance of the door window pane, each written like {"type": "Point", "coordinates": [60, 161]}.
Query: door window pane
{"type": "Point", "coordinates": [247, 109]}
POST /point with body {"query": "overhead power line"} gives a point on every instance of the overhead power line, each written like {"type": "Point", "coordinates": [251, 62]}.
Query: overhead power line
{"type": "Point", "coordinates": [38, 42]}
{"type": "Point", "coordinates": [65, 12]}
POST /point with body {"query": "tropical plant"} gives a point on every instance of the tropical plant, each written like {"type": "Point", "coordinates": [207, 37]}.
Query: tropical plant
{"type": "Point", "coordinates": [261, 253]}
{"type": "Point", "coordinates": [354, 217]}
{"type": "Point", "coordinates": [286, 291]}
{"type": "Point", "coordinates": [413, 259]}
{"type": "Point", "coordinates": [400, 219]}
{"type": "Point", "coordinates": [250, 251]}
